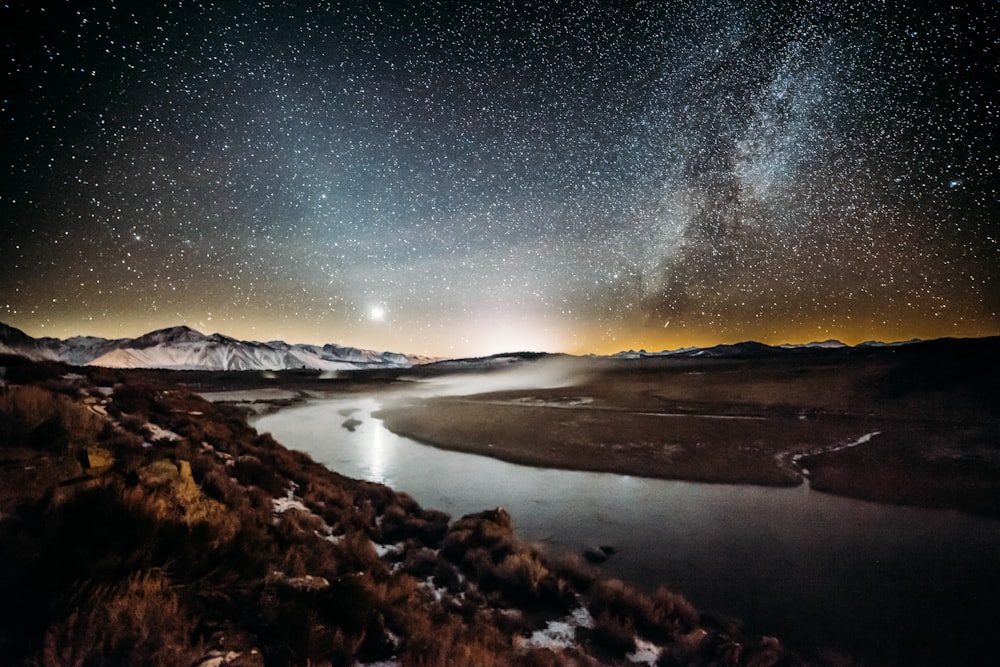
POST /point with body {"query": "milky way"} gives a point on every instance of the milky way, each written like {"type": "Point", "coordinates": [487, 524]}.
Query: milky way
{"type": "Point", "coordinates": [462, 178]}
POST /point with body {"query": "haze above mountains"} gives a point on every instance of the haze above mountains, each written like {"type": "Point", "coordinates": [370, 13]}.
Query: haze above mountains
{"type": "Point", "coordinates": [183, 348]}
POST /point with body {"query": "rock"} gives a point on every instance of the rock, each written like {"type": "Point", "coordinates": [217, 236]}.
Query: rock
{"type": "Point", "coordinates": [303, 583]}
{"type": "Point", "coordinates": [95, 460]}
{"type": "Point", "coordinates": [351, 424]}
{"type": "Point", "coordinates": [218, 659]}
{"type": "Point", "coordinates": [595, 556]}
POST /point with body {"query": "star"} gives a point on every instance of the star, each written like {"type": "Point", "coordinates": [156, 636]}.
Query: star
{"type": "Point", "coordinates": [588, 171]}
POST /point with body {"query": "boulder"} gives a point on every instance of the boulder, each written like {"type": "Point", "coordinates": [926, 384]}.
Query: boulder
{"type": "Point", "coordinates": [95, 460]}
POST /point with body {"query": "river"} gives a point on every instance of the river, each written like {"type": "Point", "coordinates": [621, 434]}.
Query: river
{"type": "Point", "coordinates": [883, 583]}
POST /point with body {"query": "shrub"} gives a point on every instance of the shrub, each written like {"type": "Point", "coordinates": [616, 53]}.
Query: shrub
{"type": "Point", "coordinates": [433, 527]}
{"type": "Point", "coordinates": [249, 470]}
{"type": "Point", "coordinates": [659, 618]}
{"type": "Point", "coordinates": [34, 417]}
{"type": "Point", "coordinates": [575, 571]}
{"type": "Point", "coordinates": [21, 370]}
{"type": "Point", "coordinates": [490, 530]}
{"type": "Point", "coordinates": [612, 635]}
{"type": "Point", "coordinates": [393, 527]}
{"type": "Point", "coordinates": [138, 621]}
{"type": "Point", "coordinates": [421, 563]}
{"type": "Point", "coordinates": [355, 552]}
{"type": "Point", "coordinates": [521, 575]}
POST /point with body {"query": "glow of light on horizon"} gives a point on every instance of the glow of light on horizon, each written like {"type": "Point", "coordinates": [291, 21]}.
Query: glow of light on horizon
{"type": "Point", "coordinates": [487, 177]}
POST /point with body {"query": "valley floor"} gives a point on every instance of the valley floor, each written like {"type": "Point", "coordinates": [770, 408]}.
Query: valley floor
{"type": "Point", "coordinates": [923, 440]}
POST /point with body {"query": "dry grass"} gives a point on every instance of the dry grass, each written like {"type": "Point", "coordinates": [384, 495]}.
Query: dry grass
{"type": "Point", "coordinates": [138, 621]}
{"type": "Point", "coordinates": [40, 418]}
{"type": "Point", "coordinates": [178, 547]}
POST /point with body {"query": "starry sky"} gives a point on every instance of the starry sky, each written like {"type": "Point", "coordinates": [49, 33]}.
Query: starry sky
{"type": "Point", "coordinates": [461, 178]}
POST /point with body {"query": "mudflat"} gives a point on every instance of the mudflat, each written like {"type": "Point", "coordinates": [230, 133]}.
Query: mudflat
{"type": "Point", "coordinates": [916, 425]}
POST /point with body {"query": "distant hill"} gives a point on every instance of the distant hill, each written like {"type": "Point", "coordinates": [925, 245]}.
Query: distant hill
{"type": "Point", "coordinates": [752, 349]}
{"type": "Point", "coordinates": [183, 348]}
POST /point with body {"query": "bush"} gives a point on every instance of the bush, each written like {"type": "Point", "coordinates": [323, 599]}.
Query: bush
{"type": "Point", "coordinates": [37, 418]}
{"type": "Point", "coordinates": [659, 618]}
{"type": "Point", "coordinates": [138, 621]}
{"type": "Point", "coordinates": [490, 530]}
{"type": "Point", "coordinates": [521, 575]}
{"type": "Point", "coordinates": [249, 470]}
{"type": "Point", "coordinates": [613, 635]}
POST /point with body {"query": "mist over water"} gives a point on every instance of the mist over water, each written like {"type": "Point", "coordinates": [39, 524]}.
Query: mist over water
{"type": "Point", "coordinates": [546, 373]}
{"type": "Point", "coordinates": [884, 583]}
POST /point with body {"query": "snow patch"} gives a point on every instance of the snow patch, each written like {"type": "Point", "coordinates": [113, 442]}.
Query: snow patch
{"type": "Point", "coordinates": [218, 659]}
{"type": "Point", "coordinates": [282, 505]}
{"type": "Point", "coordinates": [561, 634]}
{"type": "Point", "coordinates": [557, 635]}
{"type": "Point", "coordinates": [384, 550]}
{"type": "Point", "coordinates": [581, 616]}
{"type": "Point", "coordinates": [428, 584]}
{"type": "Point", "coordinates": [158, 433]}
{"type": "Point", "coordinates": [835, 448]}
{"type": "Point", "coordinates": [645, 653]}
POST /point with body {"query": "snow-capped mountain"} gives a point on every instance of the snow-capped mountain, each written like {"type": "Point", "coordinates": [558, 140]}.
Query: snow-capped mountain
{"type": "Point", "coordinates": [183, 348]}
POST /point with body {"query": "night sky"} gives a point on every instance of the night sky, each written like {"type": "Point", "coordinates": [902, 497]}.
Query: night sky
{"type": "Point", "coordinates": [459, 178]}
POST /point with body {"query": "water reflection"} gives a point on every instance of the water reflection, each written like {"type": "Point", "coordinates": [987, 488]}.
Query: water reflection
{"type": "Point", "coordinates": [895, 584]}
{"type": "Point", "coordinates": [377, 463]}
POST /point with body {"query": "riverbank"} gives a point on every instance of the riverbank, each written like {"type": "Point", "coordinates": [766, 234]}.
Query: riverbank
{"type": "Point", "coordinates": [569, 433]}
{"type": "Point", "coordinates": [883, 583]}
{"type": "Point", "coordinates": [773, 422]}
{"type": "Point", "coordinates": [141, 524]}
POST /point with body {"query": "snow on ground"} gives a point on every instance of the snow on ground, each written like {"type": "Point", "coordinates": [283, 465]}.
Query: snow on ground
{"type": "Point", "coordinates": [860, 441]}
{"type": "Point", "coordinates": [568, 402]}
{"type": "Point", "coordinates": [645, 653]}
{"type": "Point", "coordinates": [384, 550]}
{"type": "Point", "coordinates": [248, 396]}
{"type": "Point", "coordinates": [439, 593]}
{"type": "Point", "coordinates": [289, 502]}
{"type": "Point", "coordinates": [555, 636]}
{"type": "Point", "coordinates": [219, 659]}
{"type": "Point", "coordinates": [835, 448]}
{"type": "Point", "coordinates": [560, 634]}
{"type": "Point", "coordinates": [158, 433]}
{"type": "Point", "coordinates": [581, 616]}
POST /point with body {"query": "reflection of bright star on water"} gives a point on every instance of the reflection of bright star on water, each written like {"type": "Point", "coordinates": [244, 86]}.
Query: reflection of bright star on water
{"type": "Point", "coordinates": [377, 313]}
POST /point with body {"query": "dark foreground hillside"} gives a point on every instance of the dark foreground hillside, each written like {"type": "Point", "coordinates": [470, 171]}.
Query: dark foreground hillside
{"type": "Point", "coordinates": [142, 525]}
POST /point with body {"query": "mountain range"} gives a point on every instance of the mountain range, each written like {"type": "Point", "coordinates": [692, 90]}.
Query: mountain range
{"type": "Point", "coordinates": [754, 349]}
{"type": "Point", "coordinates": [183, 348]}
